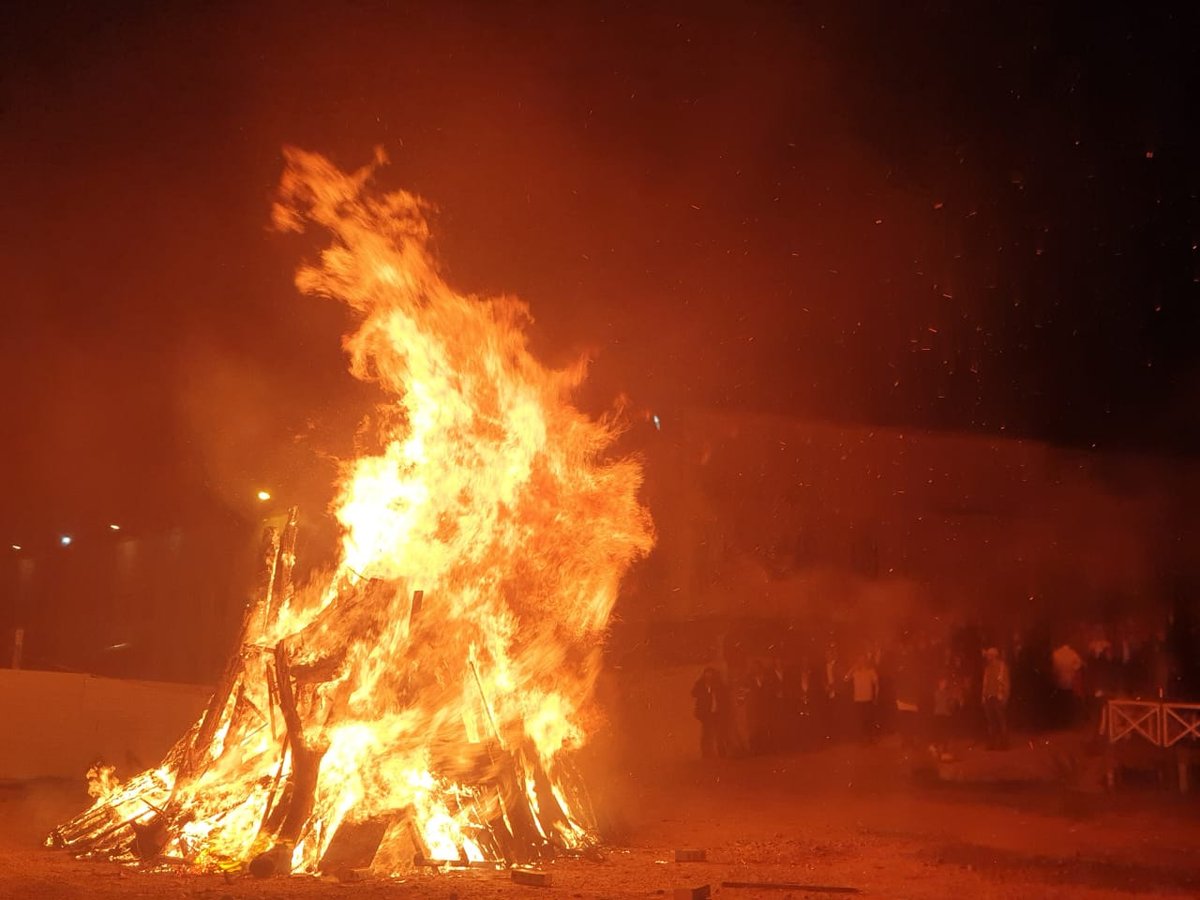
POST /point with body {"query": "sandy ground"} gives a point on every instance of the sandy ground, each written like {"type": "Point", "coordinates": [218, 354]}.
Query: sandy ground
{"type": "Point", "coordinates": [846, 816]}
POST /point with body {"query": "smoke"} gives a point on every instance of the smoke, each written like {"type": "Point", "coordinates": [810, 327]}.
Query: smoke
{"type": "Point", "coordinates": [674, 193]}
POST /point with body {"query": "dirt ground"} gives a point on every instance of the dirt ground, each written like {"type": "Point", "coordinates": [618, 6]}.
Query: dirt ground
{"type": "Point", "coordinates": [851, 816]}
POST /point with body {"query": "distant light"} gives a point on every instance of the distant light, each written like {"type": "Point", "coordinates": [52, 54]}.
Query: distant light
{"type": "Point", "coordinates": [264, 495]}
{"type": "Point", "coordinates": [65, 540]}
{"type": "Point", "coordinates": [657, 423]}
{"type": "Point", "coordinates": [114, 527]}
{"type": "Point", "coordinates": [16, 546]}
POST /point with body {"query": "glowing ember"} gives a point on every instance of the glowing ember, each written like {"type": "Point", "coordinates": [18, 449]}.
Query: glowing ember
{"type": "Point", "coordinates": [432, 683]}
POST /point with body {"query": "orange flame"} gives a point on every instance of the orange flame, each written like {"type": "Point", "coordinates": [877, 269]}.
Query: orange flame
{"type": "Point", "coordinates": [490, 493]}
{"type": "Point", "coordinates": [102, 781]}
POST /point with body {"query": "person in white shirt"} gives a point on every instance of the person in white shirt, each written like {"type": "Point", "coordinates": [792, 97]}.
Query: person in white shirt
{"type": "Point", "coordinates": [1068, 684]}
{"type": "Point", "coordinates": [865, 690]}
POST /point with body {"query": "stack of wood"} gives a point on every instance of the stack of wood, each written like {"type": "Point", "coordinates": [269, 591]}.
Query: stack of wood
{"type": "Point", "coordinates": [271, 687]}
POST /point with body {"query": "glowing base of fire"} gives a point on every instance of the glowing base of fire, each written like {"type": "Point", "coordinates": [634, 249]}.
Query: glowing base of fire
{"type": "Point", "coordinates": [149, 822]}
{"type": "Point", "coordinates": [230, 795]}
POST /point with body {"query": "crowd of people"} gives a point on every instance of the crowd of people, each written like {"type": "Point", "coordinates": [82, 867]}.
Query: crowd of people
{"type": "Point", "coordinates": [933, 692]}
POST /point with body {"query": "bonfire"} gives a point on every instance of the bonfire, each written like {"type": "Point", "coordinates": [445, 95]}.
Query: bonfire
{"type": "Point", "coordinates": [420, 702]}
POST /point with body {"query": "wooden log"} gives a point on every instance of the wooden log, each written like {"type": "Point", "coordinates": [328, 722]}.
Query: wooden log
{"type": "Point", "coordinates": [531, 877]}
{"type": "Point", "coordinates": [355, 845]}
{"type": "Point", "coordinates": [107, 837]}
{"type": "Point", "coordinates": [233, 668]}
{"type": "Point", "coordinates": [550, 814]}
{"type": "Point", "coordinates": [284, 587]}
{"type": "Point", "coordinates": [273, 822]}
{"type": "Point", "coordinates": [97, 824]}
{"type": "Point", "coordinates": [525, 844]}
{"type": "Point", "coordinates": [306, 757]}
{"type": "Point", "coordinates": [398, 847]}
{"type": "Point", "coordinates": [82, 827]}
{"type": "Point", "coordinates": [574, 789]}
{"type": "Point", "coordinates": [505, 845]}
{"type": "Point", "coordinates": [275, 861]}
{"type": "Point", "coordinates": [424, 861]}
{"type": "Point", "coordinates": [270, 807]}
{"type": "Point", "coordinates": [485, 836]}
{"type": "Point", "coordinates": [150, 837]}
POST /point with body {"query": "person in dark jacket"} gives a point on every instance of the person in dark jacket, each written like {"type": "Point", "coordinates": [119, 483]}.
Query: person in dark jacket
{"type": "Point", "coordinates": [711, 700]}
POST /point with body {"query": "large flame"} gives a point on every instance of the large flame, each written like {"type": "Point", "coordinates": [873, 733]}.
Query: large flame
{"type": "Point", "coordinates": [434, 679]}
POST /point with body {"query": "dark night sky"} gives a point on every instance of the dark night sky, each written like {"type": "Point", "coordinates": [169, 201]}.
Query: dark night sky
{"type": "Point", "coordinates": [917, 214]}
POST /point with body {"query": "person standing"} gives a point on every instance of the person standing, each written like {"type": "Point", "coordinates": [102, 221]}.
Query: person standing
{"type": "Point", "coordinates": [996, 690]}
{"type": "Point", "coordinates": [1068, 684]}
{"type": "Point", "coordinates": [710, 700]}
{"type": "Point", "coordinates": [864, 681]}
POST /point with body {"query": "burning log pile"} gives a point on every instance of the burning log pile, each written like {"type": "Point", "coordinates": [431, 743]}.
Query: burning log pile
{"type": "Point", "coordinates": [362, 722]}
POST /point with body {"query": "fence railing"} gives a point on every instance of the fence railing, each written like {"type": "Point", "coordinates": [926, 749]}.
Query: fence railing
{"type": "Point", "coordinates": [1161, 723]}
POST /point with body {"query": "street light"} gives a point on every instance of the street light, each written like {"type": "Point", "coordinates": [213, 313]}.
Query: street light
{"type": "Point", "coordinates": [114, 527]}
{"type": "Point", "coordinates": [264, 495]}
{"type": "Point", "coordinates": [65, 540]}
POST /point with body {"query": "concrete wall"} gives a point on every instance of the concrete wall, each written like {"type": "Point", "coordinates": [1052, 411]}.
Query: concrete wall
{"type": "Point", "coordinates": [55, 725]}
{"type": "Point", "coordinates": [150, 604]}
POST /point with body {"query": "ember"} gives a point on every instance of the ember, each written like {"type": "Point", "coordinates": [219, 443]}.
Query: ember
{"type": "Point", "coordinates": [427, 690]}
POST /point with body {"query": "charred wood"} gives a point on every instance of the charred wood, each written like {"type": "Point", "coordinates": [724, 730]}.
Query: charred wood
{"type": "Point", "coordinates": [306, 759]}
{"type": "Point", "coordinates": [150, 837]}
{"type": "Point", "coordinates": [258, 602]}
{"type": "Point", "coordinates": [355, 845]}
{"type": "Point", "coordinates": [284, 588]}
{"type": "Point", "coordinates": [271, 807]}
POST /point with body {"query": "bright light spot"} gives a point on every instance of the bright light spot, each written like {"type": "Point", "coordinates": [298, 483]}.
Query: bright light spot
{"type": "Point", "coordinates": [264, 495]}
{"type": "Point", "coordinates": [114, 527]}
{"type": "Point", "coordinates": [16, 546]}
{"type": "Point", "coordinates": [65, 540]}
{"type": "Point", "coordinates": [657, 423]}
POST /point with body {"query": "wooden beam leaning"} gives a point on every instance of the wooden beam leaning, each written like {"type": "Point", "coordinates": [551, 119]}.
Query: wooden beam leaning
{"type": "Point", "coordinates": [255, 606]}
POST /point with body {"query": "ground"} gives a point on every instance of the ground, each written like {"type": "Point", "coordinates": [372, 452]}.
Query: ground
{"type": "Point", "coordinates": [870, 818]}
